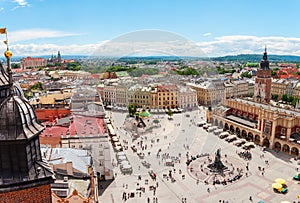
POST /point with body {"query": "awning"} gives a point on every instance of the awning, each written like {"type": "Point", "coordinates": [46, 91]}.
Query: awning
{"type": "Point", "coordinates": [224, 133]}
{"type": "Point", "coordinates": [115, 139]}
{"type": "Point", "coordinates": [248, 144]}
{"type": "Point", "coordinates": [231, 137]}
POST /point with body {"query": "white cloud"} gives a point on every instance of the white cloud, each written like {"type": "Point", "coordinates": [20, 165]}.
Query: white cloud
{"type": "Point", "coordinates": [245, 44]}
{"type": "Point", "coordinates": [24, 35]}
{"type": "Point", "coordinates": [1, 9]}
{"type": "Point", "coordinates": [21, 3]}
{"type": "Point", "coordinates": [218, 46]}
{"type": "Point", "coordinates": [48, 49]}
{"type": "Point", "coordinates": [207, 34]}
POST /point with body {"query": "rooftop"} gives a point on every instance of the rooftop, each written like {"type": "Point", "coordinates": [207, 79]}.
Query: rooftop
{"type": "Point", "coordinates": [272, 108]}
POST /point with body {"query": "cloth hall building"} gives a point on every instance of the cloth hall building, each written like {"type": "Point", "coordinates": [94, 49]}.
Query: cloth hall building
{"type": "Point", "coordinates": [258, 121]}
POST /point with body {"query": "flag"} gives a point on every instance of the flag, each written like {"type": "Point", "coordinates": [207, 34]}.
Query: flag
{"type": "Point", "coordinates": [5, 42]}
{"type": "Point", "coordinates": [2, 30]}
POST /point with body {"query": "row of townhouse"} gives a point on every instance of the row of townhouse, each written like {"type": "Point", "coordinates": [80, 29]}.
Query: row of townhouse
{"type": "Point", "coordinates": [212, 92]}
{"type": "Point", "coordinates": [162, 96]}
{"type": "Point", "coordinates": [285, 86]}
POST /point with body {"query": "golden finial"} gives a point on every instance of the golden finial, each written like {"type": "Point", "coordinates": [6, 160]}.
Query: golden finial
{"type": "Point", "coordinates": [7, 54]}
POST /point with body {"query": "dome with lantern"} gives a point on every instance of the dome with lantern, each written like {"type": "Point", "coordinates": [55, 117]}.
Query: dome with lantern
{"type": "Point", "coordinates": [23, 166]}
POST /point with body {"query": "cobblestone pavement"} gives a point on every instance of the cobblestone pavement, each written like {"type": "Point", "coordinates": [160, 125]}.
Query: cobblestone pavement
{"type": "Point", "coordinates": [181, 136]}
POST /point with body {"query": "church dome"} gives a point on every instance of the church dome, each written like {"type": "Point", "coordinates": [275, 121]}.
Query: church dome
{"type": "Point", "coordinates": [4, 84]}
{"type": "Point", "coordinates": [17, 119]}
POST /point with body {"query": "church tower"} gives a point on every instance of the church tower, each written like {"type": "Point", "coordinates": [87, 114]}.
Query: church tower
{"type": "Point", "coordinates": [263, 81]}
{"type": "Point", "coordinates": [59, 57]}
{"type": "Point", "coordinates": [24, 176]}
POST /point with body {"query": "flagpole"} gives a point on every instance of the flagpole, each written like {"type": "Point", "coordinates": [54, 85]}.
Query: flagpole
{"type": "Point", "coordinates": [6, 42]}
{"type": "Point", "coordinates": [8, 55]}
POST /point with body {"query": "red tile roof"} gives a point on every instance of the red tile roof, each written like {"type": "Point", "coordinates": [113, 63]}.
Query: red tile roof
{"type": "Point", "coordinates": [83, 126]}
{"type": "Point", "coordinates": [54, 131]}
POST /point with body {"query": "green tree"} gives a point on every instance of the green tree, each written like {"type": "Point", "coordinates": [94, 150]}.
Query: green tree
{"type": "Point", "coordinates": [290, 99]}
{"type": "Point", "coordinates": [132, 110]}
{"type": "Point", "coordinates": [295, 101]}
{"type": "Point", "coordinates": [37, 86]}
{"type": "Point", "coordinates": [275, 97]}
{"type": "Point", "coordinates": [74, 66]}
{"type": "Point", "coordinates": [246, 75]}
{"type": "Point", "coordinates": [137, 72]}
{"type": "Point", "coordinates": [15, 65]}
{"type": "Point", "coordinates": [156, 121]}
{"type": "Point", "coordinates": [170, 113]}
{"type": "Point", "coordinates": [251, 64]}
{"type": "Point", "coordinates": [284, 97]}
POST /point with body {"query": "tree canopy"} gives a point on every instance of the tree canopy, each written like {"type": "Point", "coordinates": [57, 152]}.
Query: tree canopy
{"type": "Point", "coordinates": [37, 86]}
{"type": "Point", "coordinates": [74, 66]}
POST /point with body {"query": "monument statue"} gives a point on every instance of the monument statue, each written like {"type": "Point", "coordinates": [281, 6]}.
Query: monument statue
{"type": "Point", "coordinates": [217, 165]}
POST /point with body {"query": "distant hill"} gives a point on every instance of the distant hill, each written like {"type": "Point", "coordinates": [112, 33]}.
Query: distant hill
{"type": "Point", "coordinates": [243, 58]}
{"type": "Point", "coordinates": [258, 57]}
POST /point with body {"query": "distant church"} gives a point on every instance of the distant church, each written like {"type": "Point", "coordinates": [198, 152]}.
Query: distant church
{"type": "Point", "coordinates": [24, 176]}
{"type": "Point", "coordinates": [55, 59]}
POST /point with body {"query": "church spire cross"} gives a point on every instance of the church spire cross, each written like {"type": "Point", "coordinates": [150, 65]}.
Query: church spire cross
{"type": "Point", "coordinates": [264, 64]}
{"type": "Point", "coordinates": [265, 48]}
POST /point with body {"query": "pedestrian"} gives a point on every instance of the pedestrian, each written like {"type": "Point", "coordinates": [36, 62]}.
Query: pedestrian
{"type": "Point", "coordinates": [208, 190]}
{"type": "Point", "coordinates": [148, 200]}
{"type": "Point", "coordinates": [250, 198]}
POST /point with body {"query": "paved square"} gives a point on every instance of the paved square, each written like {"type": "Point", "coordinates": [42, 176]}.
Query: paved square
{"type": "Point", "coordinates": [180, 138]}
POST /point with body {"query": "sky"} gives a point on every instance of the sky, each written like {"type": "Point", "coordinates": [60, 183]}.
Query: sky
{"type": "Point", "coordinates": [217, 27]}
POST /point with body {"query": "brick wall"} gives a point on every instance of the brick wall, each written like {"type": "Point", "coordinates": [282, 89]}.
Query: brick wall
{"type": "Point", "coordinates": [40, 194]}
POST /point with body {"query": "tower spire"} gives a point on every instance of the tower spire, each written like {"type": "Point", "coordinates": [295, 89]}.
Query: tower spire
{"type": "Point", "coordinates": [265, 48]}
